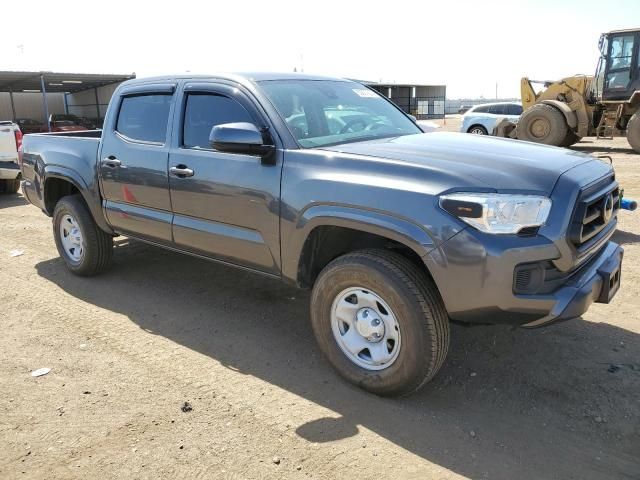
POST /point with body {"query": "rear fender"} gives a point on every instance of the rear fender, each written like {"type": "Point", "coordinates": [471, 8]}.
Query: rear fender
{"type": "Point", "coordinates": [91, 197]}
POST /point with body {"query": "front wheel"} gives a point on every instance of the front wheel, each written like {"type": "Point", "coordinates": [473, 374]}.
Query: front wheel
{"type": "Point", "coordinates": [633, 131]}
{"type": "Point", "coordinates": [380, 321]}
{"type": "Point", "coordinates": [85, 248]}
{"type": "Point", "coordinates": [478, 130]}
{"type": "Point", "coordinates": [570, 139]}
{"type": "Point", "coordinates": [542, 123]}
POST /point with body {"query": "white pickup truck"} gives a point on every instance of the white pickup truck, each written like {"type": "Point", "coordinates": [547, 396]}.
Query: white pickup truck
{"type": "Point", "coordinates": [10, 143]}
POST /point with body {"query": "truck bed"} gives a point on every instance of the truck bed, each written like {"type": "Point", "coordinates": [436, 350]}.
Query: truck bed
{"type": "Point", "coordinates": [66, 154]}
{"type": "Point", "coordinates": [82, 133]}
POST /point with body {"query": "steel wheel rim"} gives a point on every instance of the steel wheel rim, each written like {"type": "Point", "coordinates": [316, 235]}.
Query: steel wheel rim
{"type": "Point", "coordinates": [71, 238]}
{"type": "Point", "coordinates": [365, 328]}
{"type": "Point", "coordinates": [540, 128]}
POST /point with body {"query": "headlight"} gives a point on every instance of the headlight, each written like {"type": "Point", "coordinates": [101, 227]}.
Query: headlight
{"type": "Point", "coordinates": [498, 213]}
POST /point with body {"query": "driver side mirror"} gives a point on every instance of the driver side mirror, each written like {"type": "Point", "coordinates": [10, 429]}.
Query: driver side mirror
{"type": "Point", "coordinates": [244, 138]}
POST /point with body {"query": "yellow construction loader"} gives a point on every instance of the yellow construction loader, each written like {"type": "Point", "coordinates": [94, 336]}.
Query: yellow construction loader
{"type": "Point", "coordinates": [604, 105]}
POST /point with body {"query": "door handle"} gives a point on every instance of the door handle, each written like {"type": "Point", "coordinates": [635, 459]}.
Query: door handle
{"type": "Point", "coordinates": [112, 162]}
{"type": "Point", "coordinates": [181, 171]}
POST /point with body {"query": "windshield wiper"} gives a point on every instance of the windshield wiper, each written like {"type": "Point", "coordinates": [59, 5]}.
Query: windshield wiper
{"type": "Point", "coordinates": [364, 139]}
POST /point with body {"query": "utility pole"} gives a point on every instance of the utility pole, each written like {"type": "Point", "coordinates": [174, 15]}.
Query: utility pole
{"type": "Point", "coordinates": [496, 90]}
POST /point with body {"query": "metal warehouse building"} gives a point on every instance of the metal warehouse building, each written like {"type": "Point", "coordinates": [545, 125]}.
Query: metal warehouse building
{"type": "Point", "coordinates": [421, 101]}
{"type": "Point", "coordinates": [36, 95]}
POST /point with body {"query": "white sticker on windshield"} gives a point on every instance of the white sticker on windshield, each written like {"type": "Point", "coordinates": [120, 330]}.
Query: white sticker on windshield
{"type": "Point", "coordinates": [364, 93]}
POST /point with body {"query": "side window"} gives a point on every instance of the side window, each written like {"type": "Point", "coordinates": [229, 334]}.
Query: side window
{"type": "Point", "coordinates": [205, 111]}
{"type": "Point", "coordinates": [621, 51]}
{"type": "Point", "coordinates": [514, 109]}
{"type": "Point", "coordinates": [144, 117]}
{"type": "Point", "coordinates": [620, 68]}
{"type": "Point", "coordinates": [484, 109]}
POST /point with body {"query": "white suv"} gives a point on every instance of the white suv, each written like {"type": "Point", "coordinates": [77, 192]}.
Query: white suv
{"type": "Point", "coordinates": [482, 119]}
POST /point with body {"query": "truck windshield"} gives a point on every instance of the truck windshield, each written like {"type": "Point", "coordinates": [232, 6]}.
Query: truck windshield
{"type": "Point", "coordinates": [326, 112]}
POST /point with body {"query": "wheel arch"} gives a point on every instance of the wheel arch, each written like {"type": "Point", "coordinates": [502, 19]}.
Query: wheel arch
{"type": "Point", "coordinates": [477, 124]}
{"type": "Point", "coordinates": [569, 115]}
{"type": "Point", "coordinates": [326, 232]}
{"type": "Point", "coordinates": [59, 182]}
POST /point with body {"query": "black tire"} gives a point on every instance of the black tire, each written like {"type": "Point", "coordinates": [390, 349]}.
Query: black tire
{"type": "Point", "coordinates": [570, 139]}
{"type": "Point", "coordinates": [9, 186]}
{"type": "Point", "coordinates": [543, 123]}
{"type": "Point", "coordinates": [97, 244]}
{"type": "Point", "coordinates": [477, 130]}
{"type": "Point", "coordinates": [633, 131]}
{"type": "Point", "coordinates": [414, 299]}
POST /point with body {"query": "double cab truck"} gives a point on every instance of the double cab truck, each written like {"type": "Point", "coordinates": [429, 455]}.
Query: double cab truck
{"type": "Point", "coordinates": [327, 185]}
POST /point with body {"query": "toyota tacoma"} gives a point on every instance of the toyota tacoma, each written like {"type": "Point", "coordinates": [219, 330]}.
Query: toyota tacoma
{"type": "Point", "coordinates": [327, 185]}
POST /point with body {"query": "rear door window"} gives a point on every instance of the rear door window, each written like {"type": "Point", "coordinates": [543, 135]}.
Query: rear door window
{"type": "Point", "coordinates": [514, 109]}
{"type": "Point", "coordinates": [205, 111]}
{"type": "Point", "coordinates": [144, 117]}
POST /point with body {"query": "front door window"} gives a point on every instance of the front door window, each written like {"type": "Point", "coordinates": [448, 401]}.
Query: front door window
{"type": "Point", "coordinates": [621, 57]}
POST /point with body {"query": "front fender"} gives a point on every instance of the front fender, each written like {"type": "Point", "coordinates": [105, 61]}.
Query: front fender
{"type": "Point", "coordinates": [383, 224]}
{"type": "Point", "coordinates": [569, 115]}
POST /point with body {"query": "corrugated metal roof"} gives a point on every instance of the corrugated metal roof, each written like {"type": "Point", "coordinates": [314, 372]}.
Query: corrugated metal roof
{"type": "Point", "coordinates": [57, 81]}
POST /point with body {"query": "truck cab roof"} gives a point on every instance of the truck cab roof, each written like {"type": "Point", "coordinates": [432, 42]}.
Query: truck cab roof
{"type": "Point", "coordinates": [240, 77]}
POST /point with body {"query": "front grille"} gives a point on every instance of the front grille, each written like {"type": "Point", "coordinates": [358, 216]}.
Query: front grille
{"type": "Point", "coordinates": [596, 209]}
{"type": "Point", "coordinates": [528, 232]}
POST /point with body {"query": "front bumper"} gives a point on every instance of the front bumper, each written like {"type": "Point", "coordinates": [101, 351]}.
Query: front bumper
{"type": "Point", "coordinates": [598, 282]}
{"type": "Point", "coordinates": [475, 276]}
{"type": "Point", "coordinates": [9, 171]}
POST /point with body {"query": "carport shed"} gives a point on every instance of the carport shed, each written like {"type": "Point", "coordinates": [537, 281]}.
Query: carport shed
{"type": "Point", "coordinates": [83, 94]}
{"type": "Point", "coordinates": [421, 101]}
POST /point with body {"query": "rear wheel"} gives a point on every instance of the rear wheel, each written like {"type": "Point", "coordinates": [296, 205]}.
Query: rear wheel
{"type": "Point", "coordinates": [477, 130]}
{"type": "Point", "coordinates": [543, 123]}
{"type": "Point", "coordinates": [85, 248]}
{"type": "Point", "coordinates": [380, 321]}
{"type": "Point", "coordinates": [633, 131]}
{"type": "Point", "coordinates": [9, 186]}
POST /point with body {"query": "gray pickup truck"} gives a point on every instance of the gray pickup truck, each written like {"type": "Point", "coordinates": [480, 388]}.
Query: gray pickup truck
{"type": "Point", "coordinates": [327, 185]}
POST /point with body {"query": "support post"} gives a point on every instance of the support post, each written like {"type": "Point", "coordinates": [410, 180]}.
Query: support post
{"type": "Point", "coordinates": [13, 105]}
{"type": "Point", "coordinates": [45, 107]}
{"type": "Point", "coordinates": [66, 104]}
{"type": "Point", "coordinates": [95, 93]}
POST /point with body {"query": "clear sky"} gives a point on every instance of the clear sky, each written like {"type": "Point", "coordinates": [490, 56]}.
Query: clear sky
{"type": "Point", "coordinates": [467, 45]}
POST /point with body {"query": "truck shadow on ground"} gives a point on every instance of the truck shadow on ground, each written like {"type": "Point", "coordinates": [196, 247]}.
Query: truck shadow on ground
{"type": "Point", "coordinates": [12, 200]}
{"type": "Point", "coordinates": [559, 402]}
{"type": "Point", "coordinates": [623, 237]}
{"type": "Point", "coordinates": [585, 147]}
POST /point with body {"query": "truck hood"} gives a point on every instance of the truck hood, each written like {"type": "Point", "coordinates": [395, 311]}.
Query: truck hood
{"type": "Point", "coordinates": [475, 161]}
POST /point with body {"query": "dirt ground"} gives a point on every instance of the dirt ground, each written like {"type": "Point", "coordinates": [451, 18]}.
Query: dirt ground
{"type": "Point", "coordinates": [127, 349]}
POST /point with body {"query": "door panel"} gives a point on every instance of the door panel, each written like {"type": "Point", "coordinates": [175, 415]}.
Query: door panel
{"type": "Point", "coordinates": [231, 242]}
{"type": "Point", "coordinates": [229, 208]}
{"type": "Point", "coordinates": [142, 221]}
{"type": "Point", "coordinates": [133, 167]}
